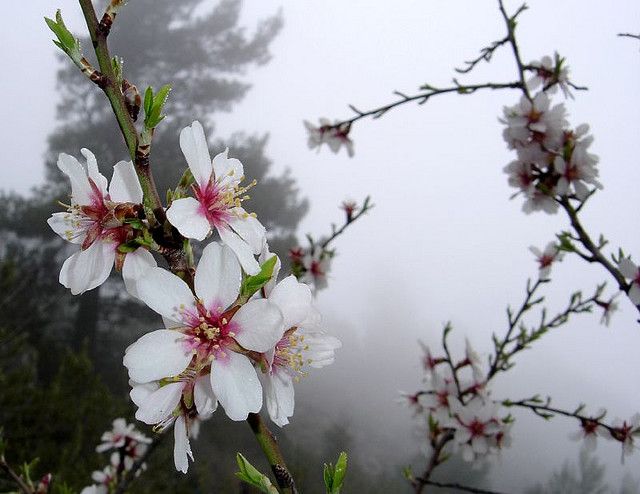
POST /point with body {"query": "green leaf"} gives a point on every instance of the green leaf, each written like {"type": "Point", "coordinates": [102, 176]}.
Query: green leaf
{"type": "Point", "coordinates": [251, 284]}
{"type": "Point", "coordinates": [153, 105]}
{"type": "Point", "coordinates": [334, 476]}
{"type": "Point", "coordinates": [249, 474]}
{"type": "Point", "coordinates": [66, 41]}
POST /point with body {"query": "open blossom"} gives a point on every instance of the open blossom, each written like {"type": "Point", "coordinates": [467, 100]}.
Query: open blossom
{"type": "Point", "coordinates": [578, 170]}
{"type": "Point", "coordinates": [335, 136]}
{"type": "Point", "coordinates": [608, 308]}
{"type": "Point", "coordinates": [201, 354]}
{"type": "Point", "coordinates": [550, 73]}
{"type": "Point", "coordinates": [624, 431]}
{"type": "Point", "coordinates": [122, 435]}
{"type": "Point", "coordinates": [631, 272]}
{"type": "Point", "coordinates": [478, 429]}
{"type": "Point", "coordinates": [546, 258]}
{"type": "Point", "coordinates": [302, 344]}
{"type": "Point", "coordinates": [316, 266]}
{"type": "Point", "coordinates": [589, 431]}
{"type": "Point", "coordinates": [95, 221]}
{"type": "Point", "coordinates": [534, 122]}
{"type": "Point", "coordinates": [217, 201]}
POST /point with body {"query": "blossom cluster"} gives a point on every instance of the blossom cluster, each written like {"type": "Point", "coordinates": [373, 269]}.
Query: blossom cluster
{"type": "Point", "coordinates": [553, 160]}
{"type": "Point", "coordinates": [458, 406]}
{"type": "Point", "coordinates": [234, 336]}
{"type": "Point", "coordinates": [127, 445]}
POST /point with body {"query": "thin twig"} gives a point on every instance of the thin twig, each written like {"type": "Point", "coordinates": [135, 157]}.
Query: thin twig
{"type": "Point", "coordinates": [366, 206]}
{"type": "Point", "coordinates": [130, 475]}
{"type": "Point", "coordinates": [460, 487]}
{"type": "Point", "coordinates": [24, 487]}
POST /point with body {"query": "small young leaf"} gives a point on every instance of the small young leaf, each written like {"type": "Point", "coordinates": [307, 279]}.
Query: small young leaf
{"type": "Point", "coordinates": [251, 284]}
{"type": "Point", "coordinates": [334, 476]}
{"type": "Point", "coordinates": [249, 474]}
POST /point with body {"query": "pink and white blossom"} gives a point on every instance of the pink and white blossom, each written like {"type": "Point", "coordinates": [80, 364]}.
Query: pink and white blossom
{"type": "Point", "coordinates": [549, 74]}
{"type": "Point", "coordinates": [207, 331]}
{"type": "Point", "coordinates": [577, 171]}
{"type": "Point", "coordinates": [546, 258]}
{"type": "Point", "coordinates": [589, 431]}
{"type": "Point", "coordinates": [94, 220]}
{"type": "Point", "coordinates": [334, 135]}
{"type": "Point", "coordinates": [217, 200]}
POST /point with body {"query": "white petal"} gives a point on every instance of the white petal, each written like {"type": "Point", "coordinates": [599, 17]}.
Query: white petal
{"type": "Point", "coordinates": [279, 395]}
{"type": "Point", "coordinates": [160, 404]}
{"type": "Point", "coordinates": [218, 277]}
{"type": "Point", "coordinates": [93, 172]}
{"type": "Point", "coordinates": [248, 228]}
{"type": "Point", "coordinates": [194, 147]}
{"type": "Point", "coordinates": [235, 383]}
{"type": "Point", "coordinates": [125, 186]}
{"type": "Point", "coordinates": [242, 250]}
{"type": "Point", "coordinates": [227, 171]}
{"type": "Point", "coordinates": [167, 294]}
{"type": "Point", "coordinates": [186, 215]}
{"type": "Point", "coordinates": [81, 191]}
{"type": "Point", "coordinates": [61, 224]}
{"type": "Point", "coordinates": [181, 447]}
{"type": "Point", "coordinates": [157, 355]}
{"type": "Point", "coordinates": [634, 294]}
{"type": "Point", "coordinates": [628, 268]}
{"type": "Point", "coordinates": [140, 392]}
{"type": "Point", "coordinates": [135, 266]}
{"type": "Point", "coordinates": [89, 268]}
{"type": "Point", "coordinates": [293, 299]}
{"type": "Point", "coordinates": [206, 402]}
{"type": "Point", "coordinates": [259, 325]}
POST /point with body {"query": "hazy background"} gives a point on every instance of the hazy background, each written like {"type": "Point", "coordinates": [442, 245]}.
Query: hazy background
{"type": "Point", "coordinates": [444, 242]}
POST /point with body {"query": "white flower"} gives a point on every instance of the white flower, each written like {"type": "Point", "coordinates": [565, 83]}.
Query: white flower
{"type": "Point", "coordinates": [534, 121]}
{"type": "Point", "coordinates": [303, 343]}
{"type": "Point", "coordinates": [218, 196]}
{"type": "Point", "coordinates": [608, 308]}
{"type": "Point", "coordinates": [316, 266]}
{"type": "Point", "coordinates": [550, 73]}
{"type": "Point", "coordinates": [94, 220]}
{"type": "Point", "coordinates": [624, 431]}
{"type": "Point", "coordinates": [208, 329]}
{"type": "Point", "coordinates": [442, 389]}
{"type": "Point", "coordinates": [546, 258]}
{"type": "Point", "coordinates": [630, 271]}
{"type": "Point", "coordinates": [122, 435]}
{"type": "Point", "coordinates": [577, 172]}
{"type": "Point", "coordinates": [589, 431]}
{"type": "Point", "coordinates": [477, 427]}
{"type": "Point", "coordinates": [334, 135]}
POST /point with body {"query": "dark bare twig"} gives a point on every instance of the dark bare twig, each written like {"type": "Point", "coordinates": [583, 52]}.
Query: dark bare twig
{"type": "Point", "coordinates": [460, 487]}
{"type": "Point", "coordinates": [130, 475]}
{"type": "Point", "coordinates": [22, 485]}
{"type": "Point", "coordinates": [366, 206]}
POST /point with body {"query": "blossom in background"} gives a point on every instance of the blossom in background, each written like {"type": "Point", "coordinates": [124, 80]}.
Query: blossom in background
{"type": "Point", "coordinates": [95, 220]}
{"type": "Point", "coordinates": [579, 169]}
{"type": "Point", "coordinates": [312, 265]}
{"type": "Point", "coordinates": [478, 429]}
{"type": "Point", "coordinates": [549, 74]}
{"type": "Point", "coordinates": [534, 122]}
{"type": "Point", "coordinates": [589, 431]}
{"type": "Point", "coordinates": [349, 207]}
{"type": "Point", "coordinates": [217, 202]}
{"type": "Point", "coordinates": [442, 389]}
{"type": "Point", "coordinates": [608, 308]}
{"type": "Point", "coordinates": [334, 135]}
{"type": "Point", "coordinates": [624, 431]}
{"type": "Point", "coordinates": [631, 272]}
{"type": "Point", "coordinates": [122, 435]}
{"type": "Point", "coordinates": [546, 258]}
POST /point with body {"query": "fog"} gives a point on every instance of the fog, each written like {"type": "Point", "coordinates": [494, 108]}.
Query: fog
{"type": "Point", "coordinates": [444, 241]}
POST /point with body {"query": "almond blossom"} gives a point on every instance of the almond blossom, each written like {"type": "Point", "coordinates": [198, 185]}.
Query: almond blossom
{"type": "Point", "coordinates": [203, 352]}
{"type": "Point", "coordinates": [95, 220]}
{"type": "Point", "coordinates": [217, 201]}
{"type": "Point", "coordinates": [302, 344]}
{"type": "Point", "coordinates": [549, 74]}
{"type": "Point", "coordinates": [546, 258]}
{"type": "Point", "coordinates": [334, 135]}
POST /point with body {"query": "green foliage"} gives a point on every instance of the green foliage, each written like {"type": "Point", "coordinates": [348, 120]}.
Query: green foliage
{"type": "Point", "coordinates": [251, 284]}
{"type": "Point", "coordinates": [153, 106]}
{"type": "Point", "coordinates": [334, 476]}
{"type": "Point", "coordinates": [249, 474]}
{"type": "Point", "coordinates": [67, 42]}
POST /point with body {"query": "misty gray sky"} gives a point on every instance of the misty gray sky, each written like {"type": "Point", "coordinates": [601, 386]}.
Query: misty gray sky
{"type": "Point", "coordinates": [444, 241]}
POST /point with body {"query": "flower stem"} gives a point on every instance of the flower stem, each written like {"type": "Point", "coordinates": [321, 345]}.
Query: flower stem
{"type": "Point", "coordinates": [272, 452]}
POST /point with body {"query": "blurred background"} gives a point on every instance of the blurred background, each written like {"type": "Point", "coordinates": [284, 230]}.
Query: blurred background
{"type": "Point", "coordinates": [444, 242]}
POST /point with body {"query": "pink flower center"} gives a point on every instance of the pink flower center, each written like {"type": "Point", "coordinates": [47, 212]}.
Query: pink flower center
{"type": "Point", "coordinates": [215, 203]}
{"type": "Point", "coordinates": [476, 428]}
{"type": "Point", "coordinates": [210, 332]}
